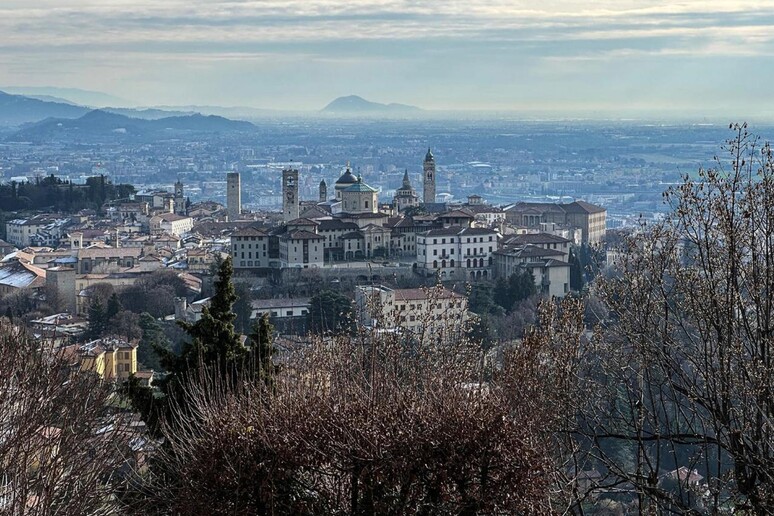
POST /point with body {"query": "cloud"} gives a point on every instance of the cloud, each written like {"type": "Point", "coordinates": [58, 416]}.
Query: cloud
{"type": "Point", "coordinates": [453, 47]}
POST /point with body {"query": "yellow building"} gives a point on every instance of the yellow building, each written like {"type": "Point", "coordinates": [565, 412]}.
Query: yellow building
{"type": "Point", "coordinates": [111, 358]}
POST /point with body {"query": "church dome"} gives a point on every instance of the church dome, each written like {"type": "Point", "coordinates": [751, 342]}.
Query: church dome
{"type": "Point", "coordinates": [429, 155]}
{"type": "Point", "coordinates": [347, 178]}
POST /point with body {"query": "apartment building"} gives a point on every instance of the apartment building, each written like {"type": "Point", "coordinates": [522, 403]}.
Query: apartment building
{"type": "Point", "coordinates": [456, 252]}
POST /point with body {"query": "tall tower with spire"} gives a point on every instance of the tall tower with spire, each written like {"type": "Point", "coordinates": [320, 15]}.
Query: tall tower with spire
{"type": "Point", "coordinates": [405, 196]}
{"type": "Point", "coordinates": [429, 178]}
{"type": "Point", "coordinates": [323, 191]}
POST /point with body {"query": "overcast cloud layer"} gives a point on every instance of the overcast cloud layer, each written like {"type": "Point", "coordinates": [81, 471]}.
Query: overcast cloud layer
{"type": "Point", "coordinates": [557, 55]}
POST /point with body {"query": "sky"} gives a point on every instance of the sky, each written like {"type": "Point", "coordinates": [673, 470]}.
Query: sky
{"type": "Point", "coordinates": [608, 56]}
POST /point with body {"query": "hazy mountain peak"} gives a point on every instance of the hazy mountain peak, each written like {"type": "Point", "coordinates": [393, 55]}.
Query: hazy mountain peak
{"type": "Point", "coordinates": [354, 104]}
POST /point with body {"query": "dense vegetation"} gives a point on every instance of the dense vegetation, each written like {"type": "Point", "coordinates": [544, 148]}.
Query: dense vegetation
{"type": "Point", "coordinates": [54, 194]}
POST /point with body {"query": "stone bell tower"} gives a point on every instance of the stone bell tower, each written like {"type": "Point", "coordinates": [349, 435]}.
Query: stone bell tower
{"type": "Point", "coordinates": [429, 177]}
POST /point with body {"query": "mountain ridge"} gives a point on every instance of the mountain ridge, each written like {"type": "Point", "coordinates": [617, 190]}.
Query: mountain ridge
{"type": "Point", "coordinates": [355, 104]}
{"type": "Point", "coordinates": [101, 124]}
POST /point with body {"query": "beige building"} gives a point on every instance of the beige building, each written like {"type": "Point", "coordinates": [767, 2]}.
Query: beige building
{"type": "Point", "coordinates": [549, 267]}
{"type": "Point", "coordinates": [171, 223]}
{"type": "Point", "coordinates": [434, 314]}
{"type": "Point", "coordinates": [107, 259]}
{"type": "Point", "coordinates": [359, 198]}
{"type": "Point", "coordinates": [589, 218]}
{"type": "Point", "coordinates": [301, 249]}
{"type": "Point", "coordinates": [250, 248]}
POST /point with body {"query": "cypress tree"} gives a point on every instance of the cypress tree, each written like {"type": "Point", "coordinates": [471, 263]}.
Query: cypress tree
{"type": "Point", "coordinates": [262, 340]}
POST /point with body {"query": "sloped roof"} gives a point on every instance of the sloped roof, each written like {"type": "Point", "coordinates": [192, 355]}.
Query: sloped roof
{"type": "Point", "coordinates": [360, 186]}
{"type": "Point", "coordinates": [416, 294]}
{"type": "Point", "coordinates": [249, 232]}
{"type": "Point", "coordinates": [537, 238]}
{"type": "Point", "coordinates": [301, 235]}
{"type": "Point", "coordinates": [583, 207]}
{"type": "Point", "coordinates": [18, 274]}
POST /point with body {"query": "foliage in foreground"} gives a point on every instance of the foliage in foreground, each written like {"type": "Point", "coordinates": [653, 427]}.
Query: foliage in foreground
{"type": "Point", "coordinates": [60, 446]}
{"type": "Point", "coordinates": [372, 424]}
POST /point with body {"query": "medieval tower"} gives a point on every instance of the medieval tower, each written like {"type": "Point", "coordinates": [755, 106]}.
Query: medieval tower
{"type": "Point", "coordinates": [429, 178]}
{"type": "Point", "coordinates": [179, 198]}
{"type": "Point", "coordinates": [233, 195]}
{"type": "Point", "coordinates": [289, 194]}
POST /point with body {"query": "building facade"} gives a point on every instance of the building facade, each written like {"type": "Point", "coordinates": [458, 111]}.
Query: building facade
{"type": "Point", "coordinates": [250, 248]}
{"type": "Point", "coordinates": [456, 252]}
{"type": "Point", "coordinates": [434, 314]}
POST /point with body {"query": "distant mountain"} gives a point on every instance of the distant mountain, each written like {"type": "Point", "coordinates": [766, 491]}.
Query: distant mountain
{"type": "Point", "coordinates": [16, 110]}
{"type": "Point", "coordinates": [237, 112]}
{"type": "Point", "coordinates": [99, 125]}
{"type": "Point", "coordinates": [148, 113]}
{"type": "Point", "coordinates": [94, 99]}
{"type": "Point", "coordinates": [354, 104]}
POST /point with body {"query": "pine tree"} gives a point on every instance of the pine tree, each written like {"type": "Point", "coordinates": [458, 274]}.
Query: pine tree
{"type": "Point", "coordinates": [97, 320]}
{"type": "Point", "coordinates": [262, 340]}
{"type": "Point", "coordinates": [113, 307]}
{"type": "Point", "coordinates": [576, 272]}
{"type": "Point", "coordinates": [213, 337]}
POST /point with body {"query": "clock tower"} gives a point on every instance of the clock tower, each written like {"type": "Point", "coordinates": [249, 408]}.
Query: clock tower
{"type": "Point", "coordinates": [289, 194]}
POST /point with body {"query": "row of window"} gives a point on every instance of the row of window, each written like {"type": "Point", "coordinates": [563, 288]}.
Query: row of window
{"type": "Point", "coordinates": [454, 240]}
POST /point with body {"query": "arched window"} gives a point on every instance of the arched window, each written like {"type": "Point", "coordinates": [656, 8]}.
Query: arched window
{"type": "Point", "coordinates": [443, 263]}
{"type": "Point", "coordinates": [468, 263]}
{"type": "Point", "coordinates": [452, 263]}
{"type": "Point", "coordinates": [435, 264]}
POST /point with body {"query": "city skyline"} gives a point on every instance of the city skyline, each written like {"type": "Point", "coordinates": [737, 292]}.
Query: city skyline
{"type": "Point", "coordinates": [561, 56]}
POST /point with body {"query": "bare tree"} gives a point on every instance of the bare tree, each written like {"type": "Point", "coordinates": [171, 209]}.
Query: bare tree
{"type": "Point", "coordinates": [60, 447]}
{"type": "Point", "coordinates": [684, 377]}
{"type": "Point", "coordinates": [377, 423]}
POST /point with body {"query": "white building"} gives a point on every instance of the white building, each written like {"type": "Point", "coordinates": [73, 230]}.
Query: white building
{"type": "Point", "coordinates": [456, 252]}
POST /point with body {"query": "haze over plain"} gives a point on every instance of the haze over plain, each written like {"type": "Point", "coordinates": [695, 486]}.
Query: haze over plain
{"type": "Point", "coordinates": [615, 58]}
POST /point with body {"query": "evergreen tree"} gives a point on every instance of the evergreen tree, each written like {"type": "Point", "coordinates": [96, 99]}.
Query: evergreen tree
{"type": "Point", "coordinates": [330, 311]}
{"type": "Point", "coordinates": [213, 337]}
{"type": "Point", "coordinates": [152, 337]}
{"type": "Point", "coordinates": [522, 285]}
{"type": "Point", "coordinates": [113, 307]}
{"type": "Point", "coordinates": [576, 272]}
{"type": "Point", "coordinates": [97, 320]}
{"type": "Point", "coordinates": [262, 341]}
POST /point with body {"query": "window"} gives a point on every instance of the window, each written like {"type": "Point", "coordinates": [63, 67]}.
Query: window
{"type": "Point", "coordinates": [289, 313]}
{"type": "Point", "coordinates": [435, 252]}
